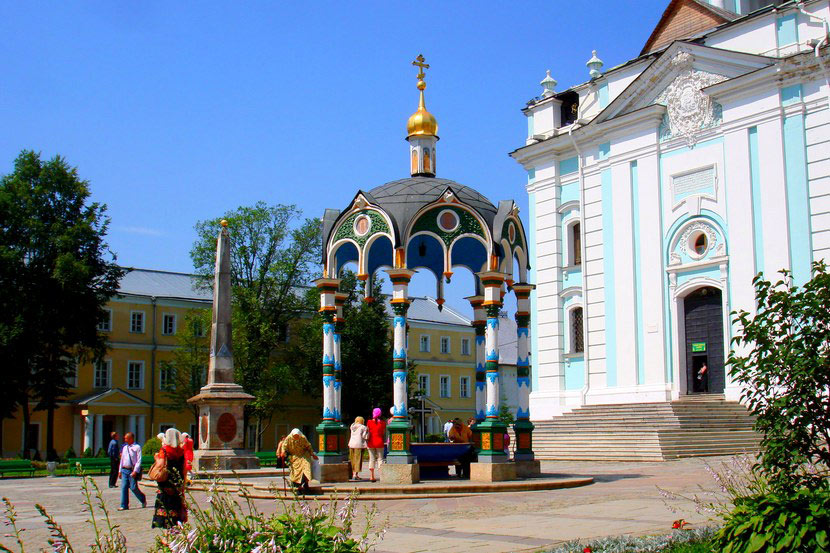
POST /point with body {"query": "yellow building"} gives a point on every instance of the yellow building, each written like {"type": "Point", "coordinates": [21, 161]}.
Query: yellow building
{"type": "Point", "coordinates": [441, 344]}
{"type": "Point", "coordinates": [125, 392]}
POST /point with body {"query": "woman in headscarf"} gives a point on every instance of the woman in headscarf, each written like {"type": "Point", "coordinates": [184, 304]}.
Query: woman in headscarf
{"type": "Point", "coordinates": [296, 450]}
{"type": "Point", "coordinates": [170, 506]}
{"type": "Point", "coordinates": [377, 435]}
{"type": "Point", "coordinates": [357, 443]}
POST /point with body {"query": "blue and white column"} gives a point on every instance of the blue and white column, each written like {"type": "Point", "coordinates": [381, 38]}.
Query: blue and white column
{"type": "Point", "coordinates": [339, 322]}
{"type": "Point", "coordinates": [523, 427]}
{"type": "Point", "coordinates": [330, 430]}
{"type": "Point", "coordinates": [492, 429]}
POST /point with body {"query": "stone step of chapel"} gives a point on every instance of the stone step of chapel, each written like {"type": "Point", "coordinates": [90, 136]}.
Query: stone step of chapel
{"type": "Point", "coordinates": [695, 426]}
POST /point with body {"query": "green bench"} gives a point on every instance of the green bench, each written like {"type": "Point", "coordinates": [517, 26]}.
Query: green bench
{"type": "Point", "coordinates": [16, 466]}
{"type": "Point", "coordinates": [268, 459]}
{"type": "Point", "coordinates": [90, 465]}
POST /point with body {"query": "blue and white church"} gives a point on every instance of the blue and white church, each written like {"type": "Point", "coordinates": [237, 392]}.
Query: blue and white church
{"type": "Point", "coordinates": [660, 187]}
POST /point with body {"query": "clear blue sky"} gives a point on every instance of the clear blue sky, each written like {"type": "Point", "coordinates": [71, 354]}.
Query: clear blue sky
{"type": "Point", "coordinates": [178, 111]}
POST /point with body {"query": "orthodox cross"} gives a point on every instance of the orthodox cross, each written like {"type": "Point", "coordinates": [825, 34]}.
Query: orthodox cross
{"type": "Point", "coordinates": [419, 62]}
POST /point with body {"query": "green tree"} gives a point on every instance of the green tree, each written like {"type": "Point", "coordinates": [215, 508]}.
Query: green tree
{"type": "Point", "coordinates": [781, 357]}
{"type": "Point", "coordinates": [274, 252]}
{"type": "Point", "coordinates": [57, 275]}
{"type": "Point", "coordinates": [187, 372]}
{"type": "Point", "coordinates": [366, 351]}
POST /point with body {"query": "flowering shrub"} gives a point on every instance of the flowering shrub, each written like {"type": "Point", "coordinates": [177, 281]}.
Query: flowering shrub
{"type": "Point", "coordinates": [646, 544]}
{"type": "Point", "coordinates": [302, 527]}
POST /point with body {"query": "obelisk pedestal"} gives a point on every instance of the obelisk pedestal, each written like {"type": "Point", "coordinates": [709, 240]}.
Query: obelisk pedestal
{"type": "Point", "coordinates": [222, 401]}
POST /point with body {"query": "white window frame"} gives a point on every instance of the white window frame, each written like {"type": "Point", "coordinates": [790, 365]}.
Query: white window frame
{"type": "Point", "coordinates": [164, 317]}
{"type": "Point", "coordinates": [424, 343]}
{"type": "Point", "coordinates": [463, 393]}
{"type": "Point", "coordinates": [140, 375]}
{"type": "Point", "coordinates": [108, 364]}
{"type": "Point", "coordinates": [445, 378]}
{"type": "Point", "coordinates": [171, 377]}
{"type": "Point", "coordinates": [570, 251]}
{"type": "Point", "coordinates": [72, 381]}
{"type": "Point", "coordinates": [424, 389]}
{"type": "Point", "coordinates": [569, 338]}
{"type": "Point", "coordinates": [448, 341]}
{"type": "Point", "coordinates": [108, 323]}
{"type": "Point", "coordinates": [143, 322]}
{"type": "Point", "coordinates": [465, 346]}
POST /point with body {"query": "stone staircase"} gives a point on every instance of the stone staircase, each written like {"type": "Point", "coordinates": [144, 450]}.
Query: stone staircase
{"type": "Point", "coordinates": [699, 425]}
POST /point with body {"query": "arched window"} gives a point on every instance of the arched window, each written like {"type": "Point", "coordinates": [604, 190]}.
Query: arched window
{"type": "Point", "coordinates": [577, 341]}
{"type": "Point", "coordinates": [414, 161]}
{"type": "Point", "coordinates": [576, 244]}
{"type": "Point", "coordinates": [426, 161]}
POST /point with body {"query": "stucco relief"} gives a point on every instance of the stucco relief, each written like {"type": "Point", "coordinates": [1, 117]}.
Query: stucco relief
{"type": "Point", "coordinates": [688, 108]}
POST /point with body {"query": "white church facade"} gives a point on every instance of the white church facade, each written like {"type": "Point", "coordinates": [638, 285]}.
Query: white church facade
{"type": "Point", "coordinates": [659, 188]}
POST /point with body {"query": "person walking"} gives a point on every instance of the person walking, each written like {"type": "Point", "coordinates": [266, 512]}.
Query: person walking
{"type": "Point", "coordinates": [377, 435]}
{"type": "Point", "coordinates": [130, 466]}
{"type": "Point", "coordinates": [447, 428]}
{"type": "Point", "coordinates": [114, 453]}
{"type": "Point", "coordinates": [170, 508]}
{"type": "Point", "coordinates": [295, 450]}
{"type": "Point", "coordinates": [357, 443]}
{"type": "Point", "coordinates": [187, 445]}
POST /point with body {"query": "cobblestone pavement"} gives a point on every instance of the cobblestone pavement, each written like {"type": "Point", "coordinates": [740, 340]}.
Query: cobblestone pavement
{"type": "Point", "coordinates": [623, 499]}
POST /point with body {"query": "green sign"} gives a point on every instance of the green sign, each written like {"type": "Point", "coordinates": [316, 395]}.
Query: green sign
{"type": "Point", "coordinates": [698, 347]}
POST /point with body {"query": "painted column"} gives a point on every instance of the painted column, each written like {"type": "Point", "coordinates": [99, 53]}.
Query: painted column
{"type": "Point", "coordinates": [400, 428]}
{"type": "Point", "coordinates": [492, 429]}
{"type": "Point", "coordinates": [523, 427]}
{"type": "Point", "coordinates": [99, 433]}
{"type": "Point", "coordinates": [77, 424]}
{"type": "Point", "coordinates": [478, 324]}
{"type": "Point", "coordinates": [141, 430]}
{"type": "Point", "coordinates": [339, 324]}
{"type": "Point", "coordinates": [131, 424]}
{"type": "Point", "coordinates": [89, 423]}
{"type": "Point", "coordinates": [330, 430]}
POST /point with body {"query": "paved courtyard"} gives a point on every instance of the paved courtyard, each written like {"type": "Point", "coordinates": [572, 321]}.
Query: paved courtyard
{"type": "Point", "coordinates": [623, 499]}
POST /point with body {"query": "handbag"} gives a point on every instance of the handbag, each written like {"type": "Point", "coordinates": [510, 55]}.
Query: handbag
{"type": "Point", "coordinates": [158, 471]}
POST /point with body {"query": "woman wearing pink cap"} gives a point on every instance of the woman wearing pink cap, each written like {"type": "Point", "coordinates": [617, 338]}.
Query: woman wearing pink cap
{"type": "Point", "coordinates": [377, 433]}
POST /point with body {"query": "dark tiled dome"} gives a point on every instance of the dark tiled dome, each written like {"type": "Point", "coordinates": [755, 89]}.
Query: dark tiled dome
{"type": "Point", "coordinates": [402, 199]}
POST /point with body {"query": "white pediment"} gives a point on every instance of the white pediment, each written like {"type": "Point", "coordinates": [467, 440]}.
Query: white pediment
{"type": "Point", "coordinates": [676, 79]}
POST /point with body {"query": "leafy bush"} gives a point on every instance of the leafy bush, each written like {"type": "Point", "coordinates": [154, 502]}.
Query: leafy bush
{"type": "Point", "coordinates": [433, 438]}
{"type": "Point", "coordinates": [301, 528]}
{"type": "Point", "coordinates": [70, 454]}
{"type": "Point", "coordinates": [101, 453]}
{"type": "Point", "coordinates": [679, 541]}
{"type": "Point", "coordinates": [778, 521]}
{"type": "Point", "coordinates": [151, 446]}
{"type": "Point", "coordinates": [87, 453]}
{"type": "Point", "coordinates": [781, 357]}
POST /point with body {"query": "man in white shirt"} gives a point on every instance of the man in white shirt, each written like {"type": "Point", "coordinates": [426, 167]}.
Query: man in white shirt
{"type": "Point", "coordinates": [130, 469]}
{"type": "Point", "coordinates": [447, 428]}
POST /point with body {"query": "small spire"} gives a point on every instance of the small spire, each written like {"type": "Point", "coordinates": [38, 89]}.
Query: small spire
{"type": "Point", "coordinates": [594, 65]}
{"type": "Point", "coordinates": [548, 85]}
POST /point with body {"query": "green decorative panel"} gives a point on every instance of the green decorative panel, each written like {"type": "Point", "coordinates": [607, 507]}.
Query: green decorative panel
{"type": "Point", "coordinates": [467, 224]}
{"type": "Point", "coordinates": [346, 228]}
{"type": "Point", "coordinates": [517, 236]}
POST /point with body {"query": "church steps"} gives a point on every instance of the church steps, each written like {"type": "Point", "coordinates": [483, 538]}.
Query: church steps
{"type": "Point", "coordinates": [649, 431]}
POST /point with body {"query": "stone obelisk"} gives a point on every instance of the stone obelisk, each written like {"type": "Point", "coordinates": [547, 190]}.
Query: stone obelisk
{"type": "Point", "coordinates": [221, 402]}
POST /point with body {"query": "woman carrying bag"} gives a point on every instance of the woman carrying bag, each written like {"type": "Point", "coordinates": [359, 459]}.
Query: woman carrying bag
{"type": "Point", "coordinates": [170, 475]}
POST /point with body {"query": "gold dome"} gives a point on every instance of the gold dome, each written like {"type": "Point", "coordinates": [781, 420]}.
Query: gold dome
{"type": "Point", "coordinates": [422, 122]}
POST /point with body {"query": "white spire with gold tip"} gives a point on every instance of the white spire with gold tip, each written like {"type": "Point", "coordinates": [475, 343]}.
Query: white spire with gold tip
{"type": "Point", "coordinates": [422, 131]}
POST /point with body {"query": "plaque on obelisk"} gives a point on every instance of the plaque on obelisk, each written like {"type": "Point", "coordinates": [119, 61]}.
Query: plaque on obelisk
{"type": "Point", "coordinates": [221, 401]}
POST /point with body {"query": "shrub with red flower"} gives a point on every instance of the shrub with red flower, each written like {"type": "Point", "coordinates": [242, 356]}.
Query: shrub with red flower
{"type": "Point", "coordinates": [679, 524]}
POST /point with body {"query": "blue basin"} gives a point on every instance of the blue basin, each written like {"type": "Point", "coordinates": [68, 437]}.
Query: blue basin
{"type": "Point", "coordinates": [437, 453]}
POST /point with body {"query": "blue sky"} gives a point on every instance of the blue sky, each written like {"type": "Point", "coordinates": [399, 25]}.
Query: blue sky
{"type": "Point", "coordinates": [178, 111]}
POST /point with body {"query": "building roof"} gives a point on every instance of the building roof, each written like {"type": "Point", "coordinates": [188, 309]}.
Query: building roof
{"type": "Point", "coordinates": [402, 199]}
{"type": "Point", "coordinates": [425, 310]}
{"type": "Point", "coordinates": [164, 284]}
{"type": "Point", "coordinates": [684, 19]}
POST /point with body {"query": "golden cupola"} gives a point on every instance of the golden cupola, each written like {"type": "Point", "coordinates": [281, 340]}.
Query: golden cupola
{"type": "Point", "coordinates": [422, 131]}
{"type": "Point", "coordinates": [422, 122]}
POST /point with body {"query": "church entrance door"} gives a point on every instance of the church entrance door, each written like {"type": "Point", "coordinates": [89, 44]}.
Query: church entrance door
{"type": "Point", "coordinates": [703, 317]}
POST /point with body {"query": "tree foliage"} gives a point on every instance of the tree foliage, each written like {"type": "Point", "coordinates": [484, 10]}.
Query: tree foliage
{"type": "Point", "coordinates": [781, 357]}
{"type": "Point", "coordinates": [187, 372]}
{"type": "Point", "coordinates": [366, 351]}
{"type": "Point", "coordinates": [57, 274]}
{"type": "Point", "coordinates": [274, 252]}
